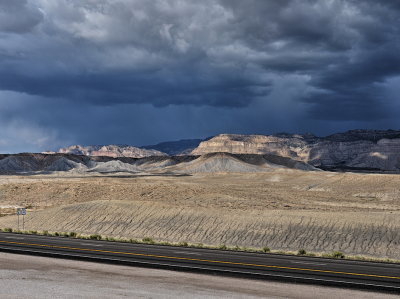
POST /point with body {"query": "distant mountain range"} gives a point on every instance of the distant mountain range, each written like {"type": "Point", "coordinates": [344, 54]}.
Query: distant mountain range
{"type": "Point", "coordinates": [173, 148]}
{"type": "Point", "coordinates": [110, 151]}
{"type": "Point", "coordinates": [367, 150]}
{"type": "Point", "coordinates": [28, 163]}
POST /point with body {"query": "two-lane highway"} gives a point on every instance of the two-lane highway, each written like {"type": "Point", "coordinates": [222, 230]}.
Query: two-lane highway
{"type": "Point", "coordinates": [379, 276]}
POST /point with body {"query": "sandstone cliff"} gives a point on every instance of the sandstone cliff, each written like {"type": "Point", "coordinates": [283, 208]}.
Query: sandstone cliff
{"type": "Point", "coordinates": [353, 150]}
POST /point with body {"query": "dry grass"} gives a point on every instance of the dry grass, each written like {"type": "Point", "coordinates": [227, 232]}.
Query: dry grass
{"type": "Point", "coordinates": [358, 214]}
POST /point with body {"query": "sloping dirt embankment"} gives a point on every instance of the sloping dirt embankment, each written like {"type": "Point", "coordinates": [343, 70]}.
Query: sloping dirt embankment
{"type": "Point", "coordinates": [355, 233]}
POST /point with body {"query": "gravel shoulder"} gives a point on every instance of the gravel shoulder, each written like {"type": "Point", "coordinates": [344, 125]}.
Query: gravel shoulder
{"type": "Point", "coordinates": [23, 276]}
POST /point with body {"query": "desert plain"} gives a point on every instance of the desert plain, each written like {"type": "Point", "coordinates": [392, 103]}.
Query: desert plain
{"type": "Point", "coordinates": [283, 209]}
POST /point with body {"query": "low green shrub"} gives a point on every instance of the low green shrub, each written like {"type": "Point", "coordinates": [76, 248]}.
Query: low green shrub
{"type": "Point", "coordinates": [302, 252]}
{"type": "Point", "coordinates": [222, 247]}
{"type": "Point", "coordinates": [148, 240]}
{"type": "Point", "coordinates": [266, 249]}
{"type": "Point", "coordinates": [338, 255]}
{"type": "Point", "coordinates": [95, 237]}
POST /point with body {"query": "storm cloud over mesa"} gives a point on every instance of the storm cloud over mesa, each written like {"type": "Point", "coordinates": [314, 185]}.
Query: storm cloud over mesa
{"type": "Point", "coordinates": [197, 65]}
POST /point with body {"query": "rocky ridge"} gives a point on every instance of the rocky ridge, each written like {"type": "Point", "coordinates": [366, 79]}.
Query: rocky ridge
{"type": "Point", "coordinates": [111, 151]}
{"type": "Point", "coordinates": [209, 163]}
{"type": "Point", "coordinates": [372, 150]}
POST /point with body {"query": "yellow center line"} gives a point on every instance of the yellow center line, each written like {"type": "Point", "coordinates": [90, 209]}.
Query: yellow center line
{"type": "Point", "coordinates": [200, 260]}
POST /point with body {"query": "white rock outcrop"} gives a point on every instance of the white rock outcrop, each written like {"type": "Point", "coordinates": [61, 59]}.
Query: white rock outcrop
{"type": "Point", "coordinates": [110, 151]}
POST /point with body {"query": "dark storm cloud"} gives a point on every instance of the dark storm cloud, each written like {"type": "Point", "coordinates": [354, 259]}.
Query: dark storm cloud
{"type": "Point", "coordinates": [346, 47]}
{"type": "Point", "coordinates": [331, 60]}
{"type": "Point", "coordinates": [127, 87]}
{"type": "Point", "coordinates": [353, 87]}
{"type": "Point", "coordinates": [18, 16]}
{"type": "Point", "coordinates": [110, 52]}
{"type": "Point", "coordinates": [218, 53]}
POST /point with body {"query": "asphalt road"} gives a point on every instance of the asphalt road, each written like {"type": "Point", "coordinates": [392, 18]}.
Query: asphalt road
{"type": "Point", "coordinates": [344, 273]}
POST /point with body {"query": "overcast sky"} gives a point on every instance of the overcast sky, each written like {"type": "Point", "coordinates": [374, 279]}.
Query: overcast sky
{"type": "Point", "coordinates": [144, 71]}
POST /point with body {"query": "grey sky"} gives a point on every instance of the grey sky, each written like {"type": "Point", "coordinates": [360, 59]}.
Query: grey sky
{"type": "Point", "coordinates": [139, 71]}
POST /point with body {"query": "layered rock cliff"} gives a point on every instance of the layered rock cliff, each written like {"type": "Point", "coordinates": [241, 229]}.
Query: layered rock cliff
{"type": "Point", "coordinates": [354, 150]}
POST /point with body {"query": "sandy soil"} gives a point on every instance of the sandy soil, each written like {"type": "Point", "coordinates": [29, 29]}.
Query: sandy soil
{"type": "Point", "coordinates": [283, 209]}
{"type": "Point", "coordinates": [38, 277]}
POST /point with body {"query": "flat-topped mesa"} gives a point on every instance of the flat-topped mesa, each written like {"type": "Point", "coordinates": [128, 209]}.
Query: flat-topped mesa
{"type": "Point", "coordinates": [110, 151]}
{"type": "Point", "coordinates": [366, 135]}
{"type": "Point", "coordinates": [356, 150]}
{"type": "Point", "coordinates": [292, 146]}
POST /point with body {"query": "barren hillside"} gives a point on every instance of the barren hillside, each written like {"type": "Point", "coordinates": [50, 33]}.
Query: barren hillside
{"type": "Point", "coordinates": [214, 162]}
{"type": "Point", "coordinates": [374, 234]}
{"type": "Point", "coordinates": [283, 209]}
